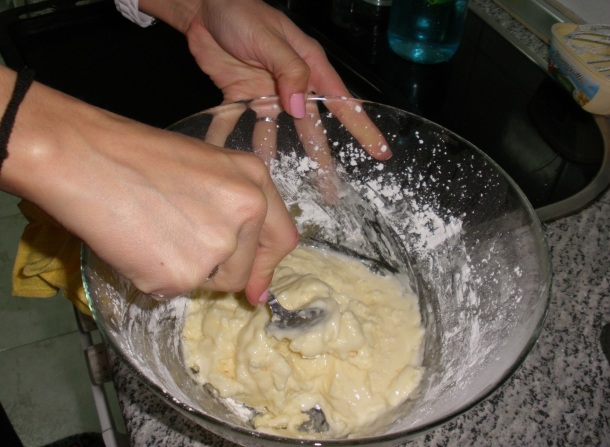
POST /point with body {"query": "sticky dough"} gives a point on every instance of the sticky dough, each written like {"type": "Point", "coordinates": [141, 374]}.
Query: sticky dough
{"type": "Point", "coordinates": [359, 364]}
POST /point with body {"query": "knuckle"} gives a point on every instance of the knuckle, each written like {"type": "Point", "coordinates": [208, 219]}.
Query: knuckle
{"type": "Point", "coordinates": [292, 240]}
{"type": "Point", "coordinates": [234, 286]}
{"type": "Point", "coordinates": [254, 209]}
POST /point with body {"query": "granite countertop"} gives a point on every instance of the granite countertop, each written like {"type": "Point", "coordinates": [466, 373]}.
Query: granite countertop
{"type": "Point", "coordinates": [559, 396]}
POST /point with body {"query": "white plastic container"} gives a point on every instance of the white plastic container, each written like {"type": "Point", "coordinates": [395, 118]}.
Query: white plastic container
{"type": "Point", "coordinates": [581, 66]}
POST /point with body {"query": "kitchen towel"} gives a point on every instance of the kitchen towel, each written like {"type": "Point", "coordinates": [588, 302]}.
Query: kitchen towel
{"type": "Point", "coordinates": [48, 260]}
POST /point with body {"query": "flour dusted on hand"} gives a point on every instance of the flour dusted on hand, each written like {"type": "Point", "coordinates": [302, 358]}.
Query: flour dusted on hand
{"type": "Point", "coordinates": [356, 366]}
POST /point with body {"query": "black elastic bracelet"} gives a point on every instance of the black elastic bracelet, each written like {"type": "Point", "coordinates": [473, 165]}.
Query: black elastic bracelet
{"type": "Point", "coordinates": [25, 78]}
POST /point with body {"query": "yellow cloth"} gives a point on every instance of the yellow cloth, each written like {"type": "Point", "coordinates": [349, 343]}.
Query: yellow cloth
{"type": "Point", "coordinates": [48, 260]}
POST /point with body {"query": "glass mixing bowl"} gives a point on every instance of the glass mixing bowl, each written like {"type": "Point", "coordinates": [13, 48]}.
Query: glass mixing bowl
{"type": "Point", "coordinates": [439, 210]}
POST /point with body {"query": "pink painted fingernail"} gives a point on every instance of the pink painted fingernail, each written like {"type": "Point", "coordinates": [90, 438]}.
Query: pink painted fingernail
{"type": "Point", "coordinates": [263, 298]}
{"type": "Point", "coordinates": [297, 105]}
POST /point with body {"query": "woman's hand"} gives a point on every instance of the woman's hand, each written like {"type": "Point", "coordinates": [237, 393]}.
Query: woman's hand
{"type": "Point", "coordinates": [163, 209]}
{"type": "Point", "coordinates": [250, 49]}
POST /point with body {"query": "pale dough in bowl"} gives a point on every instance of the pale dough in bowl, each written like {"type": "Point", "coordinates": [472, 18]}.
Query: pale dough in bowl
{"type": "Point", "coordinates": [361, 362]}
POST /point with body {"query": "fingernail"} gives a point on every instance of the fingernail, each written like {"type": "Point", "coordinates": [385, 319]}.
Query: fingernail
{"type": "Point", "coordinates": [297, 105]}
{"type": "Point", "coordinates": [263, 298]}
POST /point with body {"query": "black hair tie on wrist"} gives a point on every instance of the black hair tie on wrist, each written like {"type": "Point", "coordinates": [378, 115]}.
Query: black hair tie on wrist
{"type": "Point", "coordinates": [24, 80]}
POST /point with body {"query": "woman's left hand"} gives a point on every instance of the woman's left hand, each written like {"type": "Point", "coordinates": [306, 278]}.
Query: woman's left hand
{"type": "Point", "coordinates": [250, 49]}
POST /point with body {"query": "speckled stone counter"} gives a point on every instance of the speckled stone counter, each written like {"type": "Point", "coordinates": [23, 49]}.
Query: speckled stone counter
{"type": "Point", "coordinates": [511, 29]}
{"type": "Point", "coordinates": [559, 396]}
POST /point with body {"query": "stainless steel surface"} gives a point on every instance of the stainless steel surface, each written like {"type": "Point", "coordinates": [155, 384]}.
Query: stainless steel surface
{"type": "Point", "coordinates": [592, 191]}
{"type": "Point", "coordinates": [537, 16]}
{"type": "Point", "coordinates": [317, 421]}
{"type": "Point", "coordinates": [297, 319]}
{"type": "Point", "coordinates": [536, 55]}
{"type": "Point", "coordinates": [111, 423]}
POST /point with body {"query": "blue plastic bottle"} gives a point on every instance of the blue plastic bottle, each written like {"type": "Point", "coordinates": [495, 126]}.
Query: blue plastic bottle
{"type": "Point", "coordinates": [426, 31]}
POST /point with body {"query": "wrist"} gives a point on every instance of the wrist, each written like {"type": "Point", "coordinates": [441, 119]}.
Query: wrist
{"type": "Point", "coordinates": [48, 145]}
{"type": "Point", "coordinates": [23, 82]}
{"type": "Point", "coordinates": [14, 171]}
{"type": "Point", "coordinates": [179, 14]}
{"type": "Point", "coordinates": [131, 11]}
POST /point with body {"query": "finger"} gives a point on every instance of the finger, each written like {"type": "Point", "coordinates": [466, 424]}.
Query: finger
{"type": "Point", "coordinates": [213, 273]}
{"type": "Point", "coordinates": [244, 213]}
{"type": "Point", "coordinates": [321, 76]}
{"type": "Point", "coordinates": [278, 237]}
{"type": "Point", "coordinates": [264, 139]}
{"type": "Point", "coordinates": [221, 126]}
{"type": "Point", "coordinates": [233, 272]}
{"type": "Point", "coordinates": [162, 297]}
{"type": "Point", "coordinates": [287, 67]}
{"type": "Point", "coordinates": [324, 79]}
{"type": "Point", "coordinates": [355, 119]}
{"type": "Point", "coordinates": [264, 135]}
{"type": "Point", "coordinates": [313, 137]}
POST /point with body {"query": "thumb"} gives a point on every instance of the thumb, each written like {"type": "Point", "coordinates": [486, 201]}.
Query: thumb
{"type": "Point", "coordinates": [258, 291]}
{"type": "Point", "coordinates": [291, 74]}
{"type": "Point", "coordinates": [287, 61]}
{"type": "Point", "coordinates": [261, 276]}
{"type": "Point", "coordinates": [264, 265]}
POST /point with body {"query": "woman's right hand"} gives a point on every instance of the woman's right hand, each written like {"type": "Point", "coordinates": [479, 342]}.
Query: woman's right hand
{"type": "Point", "coordinates": [163, 209]}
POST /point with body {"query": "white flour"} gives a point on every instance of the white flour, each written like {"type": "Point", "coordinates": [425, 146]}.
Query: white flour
{"type": "Point", "coordinates": [409, 202]}
{"type": "Point", "coordinates": [466, 264]}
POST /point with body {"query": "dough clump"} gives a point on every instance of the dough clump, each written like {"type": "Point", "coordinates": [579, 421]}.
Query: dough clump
{"type": "Point", "coordinates": [357, 365]}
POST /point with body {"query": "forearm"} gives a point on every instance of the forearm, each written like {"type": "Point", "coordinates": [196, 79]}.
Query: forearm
{"type": "Point", "coordinates": [10, 105]}
{"type": "Point", "coordinates": [27, 146]}
{"type": "Point", "coordinates": [48, 143]}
